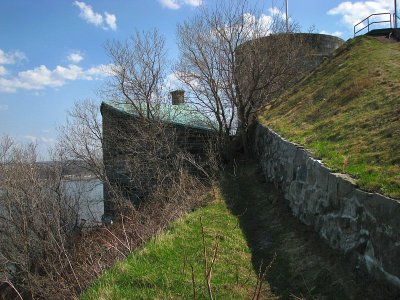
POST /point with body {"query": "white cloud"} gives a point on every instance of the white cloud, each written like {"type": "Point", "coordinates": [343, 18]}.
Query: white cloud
{"type": "Point", "coordinates": [263, 25]}
{"type": "Point", "coordinates": [193, 2]}
{"type": "Point", "coordinates": [31, 138]}
{"type": "Point", "coordinates": [352, 13]}
{"type": "Point", "coordinates": [41, 77]}
{"type": "Point", "coordinates": [3, 71]}
{"type": "Point", "coordinates": [111, 21]}
{"type": "Point", "coordinates": [171, 4]}
{"type": "Point", "coordinates": [75, 57]}
{"type": "Point", "coordinates": [11, 58]}
{"type": "Point", "coordinates": [277, 13]}
{"type": "Point", "coordinates": [3, 107]}
{"type": "Point", "coordinates": [88, 14]}
{"type": "Point", "coordinates": [47, 140]}
{"type": "Point", "coordinates": [336, 33]}
{"type": "Point", "coordinates": [106, 21]}
{"type": "Point", "coordinates": [40, 139]}
{"type": "Point", "coordinates": [176, 4]}
{"type": "Point", "coordinates": [172, 82]}
{"type": "Point", "coordinates": [100, 71]}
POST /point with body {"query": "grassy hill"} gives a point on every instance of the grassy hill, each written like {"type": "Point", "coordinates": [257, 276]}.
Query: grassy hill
{"type": "Point", "coordinates": [347, 112]}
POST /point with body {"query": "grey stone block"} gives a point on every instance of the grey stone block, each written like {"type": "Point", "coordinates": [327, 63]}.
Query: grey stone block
{"type": "Point", "coordinates": [347, 218]}
{"type": "Point", "coordinates": [321, 173]}
{"type": "Point", "coordinates": [345, 186]}
{"type": "Point", "coordinates": [301, 173]}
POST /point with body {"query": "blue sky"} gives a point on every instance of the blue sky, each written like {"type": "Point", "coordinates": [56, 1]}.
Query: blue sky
{"type": "Point", "coordinates": [52, 54]}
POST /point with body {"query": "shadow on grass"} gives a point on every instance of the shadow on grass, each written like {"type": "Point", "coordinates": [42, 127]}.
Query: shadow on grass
{"type": "Point", "coordinates": [304, 267]}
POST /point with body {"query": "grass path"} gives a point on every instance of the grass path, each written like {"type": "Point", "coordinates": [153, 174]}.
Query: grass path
{"type": "Point", "coordinates": [253, 226]}
{"type": "Point", "coordinates": [305, 267]}
{"type": "Point", "coordinates": [163, 268]}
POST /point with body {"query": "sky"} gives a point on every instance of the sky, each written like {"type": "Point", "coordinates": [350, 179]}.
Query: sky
{"type": "Point", "coordinates": [52, 51]}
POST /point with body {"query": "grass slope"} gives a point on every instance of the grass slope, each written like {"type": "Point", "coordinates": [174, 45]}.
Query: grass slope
{"type": "Point", "coordinates": [162, 269]}
{"type": "Point", "coordinates": [263, 230]}
{"type": "Point", "coordinates": [348, 113]}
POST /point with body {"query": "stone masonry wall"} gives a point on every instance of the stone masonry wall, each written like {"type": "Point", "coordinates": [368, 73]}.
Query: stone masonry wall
{"type": "Point", "coordinates": [364, 225]}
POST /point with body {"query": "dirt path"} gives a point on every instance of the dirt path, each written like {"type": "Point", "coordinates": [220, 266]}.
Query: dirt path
{"type": "Point", "coordinates": [304, 267]}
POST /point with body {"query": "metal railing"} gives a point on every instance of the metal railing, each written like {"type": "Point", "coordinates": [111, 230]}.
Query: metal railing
{"type": "Point", "coordinates": [396, 20]}
{"type": "Point", "coordinates": [369, 23]}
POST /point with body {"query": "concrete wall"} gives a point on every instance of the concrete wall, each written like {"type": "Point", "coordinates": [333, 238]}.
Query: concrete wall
{"type": "Point", "coordinates": [364, 225]}
{"type": "Point", "coordinates": [312, 49]}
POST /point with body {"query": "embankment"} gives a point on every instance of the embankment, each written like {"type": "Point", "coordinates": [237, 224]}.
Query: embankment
{"type": "Point", "coordinates": [362, 225]}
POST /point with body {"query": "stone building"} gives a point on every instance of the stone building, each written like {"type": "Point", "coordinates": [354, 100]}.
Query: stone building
{"type": "Point", "coordinates": [190, 129]}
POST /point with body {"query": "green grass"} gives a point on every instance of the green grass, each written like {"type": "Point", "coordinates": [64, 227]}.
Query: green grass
{"type": "Point", "coordinates": [162, 268]}
{"type": "Point", "coordinates": [258, 228]}
{"type": "Point", "coordinates": [347, 113]}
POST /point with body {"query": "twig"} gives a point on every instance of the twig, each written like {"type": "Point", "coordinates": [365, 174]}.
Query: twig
{"type": "Point", "coordinates": [121, 242]}
{"type": "Point", "coordinates": [13, 287]}
{"type": "Point", "coordinates": [205, 260]}
{"type": "Point", "coordinates": [193, 284]}
{"type": "Point", "coordinates": [129, 246]}
{"type": "Point", "coordinates": [208, 267]}
{"type": "Point", "coordinates": [261, 277]}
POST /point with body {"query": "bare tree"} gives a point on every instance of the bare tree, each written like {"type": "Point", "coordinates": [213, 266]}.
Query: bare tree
{"type": "Point", "coordinates": [138, 72]}
{"type": "Point", "coordinates": [230, 69]}
{"type": "Point", "coordinates": [140, 142]}
{"type": "Point", "coordinates": [80, 139]}
{"type": "Point", "coordinates": [137, 151]}
{"type": "Point", "coordinates": [44, 253]}
{"type": "Point", "coordinates": [37, 218]}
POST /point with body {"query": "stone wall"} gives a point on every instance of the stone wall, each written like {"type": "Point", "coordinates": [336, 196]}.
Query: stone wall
{"type": "Point", "coordinates": [119, 136]}
{"type": "Point", "coordinates": [365, 226]}
{"type": "Point", "coordinates": [312, 48]}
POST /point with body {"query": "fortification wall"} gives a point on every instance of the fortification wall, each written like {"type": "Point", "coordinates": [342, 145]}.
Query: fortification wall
{"type": "Point", "coordinates": [311, 47]}
{"type": "Point", "coordinates": [364, 225]}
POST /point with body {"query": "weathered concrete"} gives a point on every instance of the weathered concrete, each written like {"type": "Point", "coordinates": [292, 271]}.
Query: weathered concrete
{"type": "Point", "coordinates": [361, 224]}
{"type": "Point", "coordinates": [311, 47]}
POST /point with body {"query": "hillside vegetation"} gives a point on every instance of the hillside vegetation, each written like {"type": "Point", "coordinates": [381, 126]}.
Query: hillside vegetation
{"type": "Point", "coordinates": [347, 113]}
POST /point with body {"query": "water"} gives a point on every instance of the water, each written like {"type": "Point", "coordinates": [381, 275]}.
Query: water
{"type": "Point", "coordinates": [89, 196]}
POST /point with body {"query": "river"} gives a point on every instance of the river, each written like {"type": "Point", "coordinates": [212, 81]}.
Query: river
{"type": "Point", "coordinates": [89, 195]}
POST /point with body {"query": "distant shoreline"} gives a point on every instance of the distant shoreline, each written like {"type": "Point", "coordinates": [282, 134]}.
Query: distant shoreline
{"type": "Point", "coordinates": [79, 177]}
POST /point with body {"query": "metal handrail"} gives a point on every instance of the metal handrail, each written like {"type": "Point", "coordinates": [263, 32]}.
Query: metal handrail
{"type": "Point", "coordinates": [375, 22]}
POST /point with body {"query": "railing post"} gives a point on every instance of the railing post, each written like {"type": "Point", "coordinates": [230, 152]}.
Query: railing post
{"type": "Point", "coordinates": [368, 24]}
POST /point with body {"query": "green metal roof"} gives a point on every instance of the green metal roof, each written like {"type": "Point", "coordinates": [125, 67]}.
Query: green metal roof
{"type": "Point", "coordinates": [182, 114]}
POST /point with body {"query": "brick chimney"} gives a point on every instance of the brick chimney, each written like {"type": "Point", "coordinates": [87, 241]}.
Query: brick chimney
{"type": "Point", "coordinates": [178, 97]}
